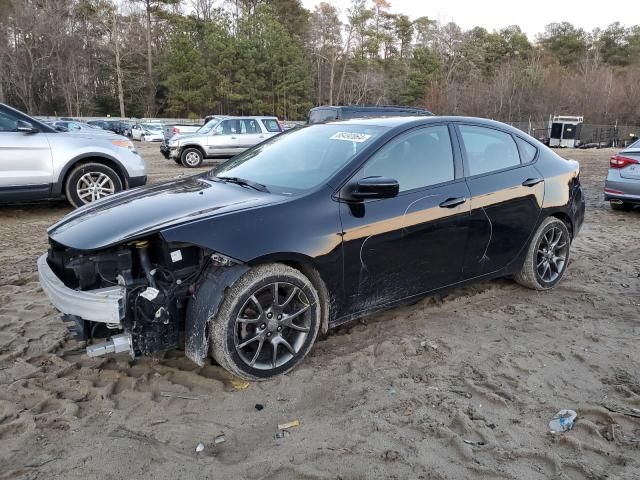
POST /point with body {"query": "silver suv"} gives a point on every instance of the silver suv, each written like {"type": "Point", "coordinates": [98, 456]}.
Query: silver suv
{"type": "Point", "coordinates": [38, 162]}
{"type": "Point", "coordinates": [221, 138]}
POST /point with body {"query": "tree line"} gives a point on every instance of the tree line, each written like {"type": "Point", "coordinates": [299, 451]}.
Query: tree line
{"type": "Point", "coordinates": [190, 58]}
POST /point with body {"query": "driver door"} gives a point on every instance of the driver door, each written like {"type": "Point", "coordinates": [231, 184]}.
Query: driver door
{"type": "Point", "coordinates": [413, 243]}
{"type": "Point", "coordinates": [26, 166]}
{"type": "Point", "coordinates": [224, 139]}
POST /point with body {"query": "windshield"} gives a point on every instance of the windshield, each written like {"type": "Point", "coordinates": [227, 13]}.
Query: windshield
{"type": "Point", "coordinates": [152, 126]}
{"type": "Point", "coordinates": [206, 128]}
{"type": "Point", "coordinates": [300, 159]}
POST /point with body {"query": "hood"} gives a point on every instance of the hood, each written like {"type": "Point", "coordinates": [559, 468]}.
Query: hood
{"type": "Point", "coordinates": [103, 134]}
{"type": "Point", "coordinates": [135, 213]}
{"type": "Point", "coordinates": [181, 136]}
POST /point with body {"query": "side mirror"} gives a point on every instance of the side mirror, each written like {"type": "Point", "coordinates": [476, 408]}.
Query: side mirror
{"type": "Point", "coordinates": [25, 127]}
{"type": "Point", "coordinates": [375, 187]}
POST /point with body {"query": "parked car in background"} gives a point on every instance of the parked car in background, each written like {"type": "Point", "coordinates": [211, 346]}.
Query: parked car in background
{"type": "Point", "coordinates": [352, 217]}
{"type": "Point", "coordinates": [39, 162]}
{"type": "Point", "coordinates": [147, 132]}
{"type": "Point", "coordinates": [222, 138]}
{"type": "Point", "coordinates": [328, 113]}
{"type": "Point", "coordinates": [117, 126]}
{"type": "Point", "coordinates": [52, 124]}
{"type": "Point", "coordinates": [171, 129]}
{"type": "Point", "coordinates": [622, 186]}
{"type": "Point", "coordinates": [210, 121]}
{"type": "Point", "coordinates": [80, 127]}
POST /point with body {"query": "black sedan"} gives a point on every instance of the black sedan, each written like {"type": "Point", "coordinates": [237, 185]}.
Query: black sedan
{"type": "Point", "coordinates": [308, 230]}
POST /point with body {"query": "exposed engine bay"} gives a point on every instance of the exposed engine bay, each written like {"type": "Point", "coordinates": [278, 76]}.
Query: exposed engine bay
{"type": "Point", "coordinates": [157, 280]}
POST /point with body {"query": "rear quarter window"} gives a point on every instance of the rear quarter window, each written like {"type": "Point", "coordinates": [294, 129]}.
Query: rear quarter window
{"type": "Point", "coordinates": [527, 151]}
{"type": "Point", "coordinates": [271, 125]}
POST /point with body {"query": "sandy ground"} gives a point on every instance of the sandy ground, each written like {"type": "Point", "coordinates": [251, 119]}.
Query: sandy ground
{"type": "Point", "coordinates": [455, 387]}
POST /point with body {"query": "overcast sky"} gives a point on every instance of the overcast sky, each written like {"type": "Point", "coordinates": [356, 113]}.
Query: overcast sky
{"type": "Point", "coordinates": [532, 16]}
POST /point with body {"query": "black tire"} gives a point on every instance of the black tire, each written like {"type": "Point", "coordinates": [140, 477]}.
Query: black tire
{"type": "Point", "coordinates": [542, 254]}
{"type": "Point", "coordinates": [228, 334]}
{"type": "Point", "coordinates": [76, 183]}
{"type": "Point", "coordinates": [621, 207]}
{"type": "Point", "coordinates": [191, 157]}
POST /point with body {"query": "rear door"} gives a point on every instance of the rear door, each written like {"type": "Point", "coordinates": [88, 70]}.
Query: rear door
{"type": "Point", "coordinates": [26, 166]}
{"type": "Point", "coordinates": [506, 197]}
{"type": "Point", "coordinates": [250, 133]}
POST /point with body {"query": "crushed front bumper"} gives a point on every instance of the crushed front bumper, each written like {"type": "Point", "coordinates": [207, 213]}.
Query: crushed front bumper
{"type": "Point", "coordinates": [104, 305]}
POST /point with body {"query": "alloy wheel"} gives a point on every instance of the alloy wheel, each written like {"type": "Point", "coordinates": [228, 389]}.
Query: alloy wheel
{"type": "Point", "coordinates": [552, 253]}
{"type": "Point", "coordinates": [192, 159]}
{"type": "Point", "coordinates": [272, 325]}
{"type": "Point", "coordinates": [94, 185]}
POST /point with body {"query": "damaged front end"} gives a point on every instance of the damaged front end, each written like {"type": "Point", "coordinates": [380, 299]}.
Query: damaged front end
{"type": "Point", "coordinates": [136, 294]}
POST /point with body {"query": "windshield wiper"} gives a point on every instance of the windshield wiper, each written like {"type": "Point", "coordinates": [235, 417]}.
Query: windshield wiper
{"type": "Point", "coordinates": [244, 182]}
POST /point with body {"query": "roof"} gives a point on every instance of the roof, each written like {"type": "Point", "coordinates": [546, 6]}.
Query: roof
{"type": "Point", "coordinates": [392, 122]}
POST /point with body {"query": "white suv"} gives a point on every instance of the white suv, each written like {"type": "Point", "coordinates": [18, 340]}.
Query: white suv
{"type": "Point", "coordinates": [221, 137]}
{"type": "Point", "coordinates": [38, 162]}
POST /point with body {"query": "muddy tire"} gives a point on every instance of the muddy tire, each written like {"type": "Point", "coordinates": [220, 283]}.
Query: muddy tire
{"type": "Point", "coordinates": [191, 157]}
{"type": "Point", "coordinates": [90, 182]}
{"type": "Point", "coordinates": [547, 257]}
{"type": "Point", "coordinates": [267, 322]}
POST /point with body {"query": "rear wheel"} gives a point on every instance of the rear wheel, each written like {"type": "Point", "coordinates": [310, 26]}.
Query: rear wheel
{"type": "Point", "coordinates": [90, 182]}
{"type": "Point", "coordinates": [191, 157]}
{"type": "Point", "coordinates": [267, 323]}
{"type": "Point", "coordinates": [547, 257]}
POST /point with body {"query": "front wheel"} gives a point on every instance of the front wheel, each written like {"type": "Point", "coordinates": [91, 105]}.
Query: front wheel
{"type": "Point", "coordinates": [90, 182]}
{"type": "Point", "coordinates": [267, 323]}
{"type": "Point", "coordinates": [191, 157]}
{"type": "Point", "coordinates": [547, 257]}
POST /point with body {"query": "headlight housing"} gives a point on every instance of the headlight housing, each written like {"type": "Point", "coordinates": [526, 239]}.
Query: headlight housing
{"type": "Point", "coordinates": [124, 144]}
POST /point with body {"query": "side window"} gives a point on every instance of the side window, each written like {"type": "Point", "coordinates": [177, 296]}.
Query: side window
{"type": "Point", "coordinates": [527, 151]}
{"type": "Point", "coordinates": [249, 126]}
{"type": "Point", "coordinates": [7, 122]}
{"type": "Point", "coordinates": [488, 150]}
{"type": "Point", "coordinates": [227, 127]}
{"type": "Point", "coordinates": [271, 125]}
{"type": "Point", "coordinates": [416, 159]}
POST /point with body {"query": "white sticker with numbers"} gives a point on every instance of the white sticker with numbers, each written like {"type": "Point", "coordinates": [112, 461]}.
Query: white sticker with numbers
{"type": "Point", "coordinates": [351, 137]}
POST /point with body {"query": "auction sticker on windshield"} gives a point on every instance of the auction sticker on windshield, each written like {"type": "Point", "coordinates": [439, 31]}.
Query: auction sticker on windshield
{"type": "Point", "coordinates": [351, 136]}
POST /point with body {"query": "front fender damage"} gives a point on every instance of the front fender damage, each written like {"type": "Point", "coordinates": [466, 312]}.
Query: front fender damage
{"type": "Point", "coordinates": [204, 306]}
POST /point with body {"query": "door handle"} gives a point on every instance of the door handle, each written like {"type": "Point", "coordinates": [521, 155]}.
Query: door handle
{"type": "Point", "coordinates": [453, 202]}
{"type": "Point", "coordinates": [233, 138]}
{"type": "Point", "coordinates": [530, 182]}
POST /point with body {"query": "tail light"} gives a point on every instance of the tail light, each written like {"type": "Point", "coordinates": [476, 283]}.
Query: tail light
{"type": "Point", "coordinates": [176, 130]}
{"type": "Point", "coordinates": [618, 161]}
